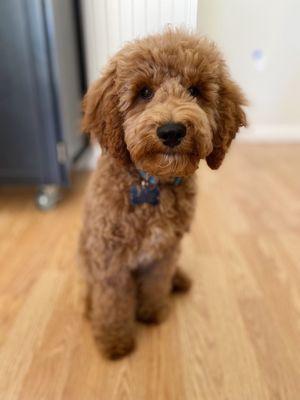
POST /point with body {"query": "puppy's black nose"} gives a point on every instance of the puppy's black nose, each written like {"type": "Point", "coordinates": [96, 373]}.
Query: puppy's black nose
{"type": "Point", "coordinates": [171, 133]}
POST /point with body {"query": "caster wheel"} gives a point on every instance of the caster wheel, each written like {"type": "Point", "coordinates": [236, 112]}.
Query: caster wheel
{"type": "Point", "coordinates": [47, 197]}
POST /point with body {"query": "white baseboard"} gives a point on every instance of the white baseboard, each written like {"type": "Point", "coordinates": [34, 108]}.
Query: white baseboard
{"type": "Point", "coordinates": [88, 160]}
{"type": "Point", "coordinates": [271, 133]}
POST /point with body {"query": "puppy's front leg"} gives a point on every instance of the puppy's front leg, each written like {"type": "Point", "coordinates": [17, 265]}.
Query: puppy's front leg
{"type": "Point", "coordinates": [113, 314]}
{"type": "Point", "coordinates": [154, 284]}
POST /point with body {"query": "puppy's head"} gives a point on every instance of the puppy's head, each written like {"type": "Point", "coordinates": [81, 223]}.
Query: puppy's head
{"type": "Point", "coordinates": [164, 103]}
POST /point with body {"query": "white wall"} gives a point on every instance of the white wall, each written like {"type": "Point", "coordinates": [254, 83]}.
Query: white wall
{"type": "Point", "coordinates": [110, 23]}
{"type": "Point", "coordinates": [261, 41]}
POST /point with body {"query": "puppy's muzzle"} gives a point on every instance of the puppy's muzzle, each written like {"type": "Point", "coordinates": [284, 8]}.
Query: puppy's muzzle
{"type": "Point", "coordinates": [171, 133]}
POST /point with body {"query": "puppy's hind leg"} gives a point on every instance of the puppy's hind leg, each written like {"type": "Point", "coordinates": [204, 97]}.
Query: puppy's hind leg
{"type": "Point", "coordinates": [113, 314]}
{"type": "Point", "coordinates": [181, 282]}
{"type": "Point", "coordinates": [88, 302]}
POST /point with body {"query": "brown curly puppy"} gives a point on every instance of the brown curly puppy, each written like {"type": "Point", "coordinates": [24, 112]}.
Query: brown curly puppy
{"type": "Point", "coordinates": [162, 104]}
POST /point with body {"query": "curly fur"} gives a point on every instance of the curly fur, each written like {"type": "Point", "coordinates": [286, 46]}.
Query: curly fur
{"type": "Point", "coordinates": [129, 253]}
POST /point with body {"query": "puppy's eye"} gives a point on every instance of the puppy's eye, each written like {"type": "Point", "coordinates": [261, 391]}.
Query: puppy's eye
{"type": "Point", "coordinates": [194, 91]}
{"type": "Point", "coordinates": [146, 93]}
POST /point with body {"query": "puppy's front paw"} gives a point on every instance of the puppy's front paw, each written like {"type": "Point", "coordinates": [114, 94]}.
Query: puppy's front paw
{"type": "Point", "coordinates": [117, 348]}
{"type": "Point", "coordinates": [153, 315]}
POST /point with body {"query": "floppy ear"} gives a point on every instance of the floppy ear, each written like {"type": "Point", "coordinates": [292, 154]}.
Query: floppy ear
{"type": "Point", "coordinates": [101, 116]}
{"type": "Point", "coordinates": [230, 117]}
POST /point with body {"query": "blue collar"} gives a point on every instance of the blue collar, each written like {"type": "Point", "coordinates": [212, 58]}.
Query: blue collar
{"type": "Point", "coordinates": [152, 180]}
{"type": "Point", "coordinates": [148, 191]}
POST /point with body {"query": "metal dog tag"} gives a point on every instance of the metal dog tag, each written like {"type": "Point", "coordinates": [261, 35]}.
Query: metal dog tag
{"type": "Point", "coordinates": [145, 194]}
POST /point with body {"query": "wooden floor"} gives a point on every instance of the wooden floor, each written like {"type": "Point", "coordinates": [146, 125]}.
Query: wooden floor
{"type": "Point", "coordinates": [236, 336]}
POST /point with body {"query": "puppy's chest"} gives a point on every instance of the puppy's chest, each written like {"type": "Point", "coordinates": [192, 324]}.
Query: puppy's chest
{"type": "Point", "coordinates": [162, 226]}
{"type": "Point", "coordinates": [173, 210]}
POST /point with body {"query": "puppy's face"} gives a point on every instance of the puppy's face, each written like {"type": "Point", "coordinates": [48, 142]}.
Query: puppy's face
{"type": "Point", "coordinates": [164, 103]}
{"type": "Point", "coordinates": [167, 128]}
